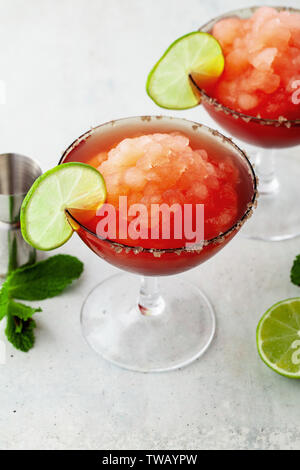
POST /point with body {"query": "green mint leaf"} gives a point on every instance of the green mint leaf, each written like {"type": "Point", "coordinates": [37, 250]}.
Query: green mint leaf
{"type": "Point", "coordinates": [4, 300]}
{"type": "Point", "coordinates": [23, 312]}
{"type": "Point", "coordinates": [12, 251]}
{"type": "Point", "coordinates": [20, 332]}
{"type": "Point", "coordinates": [44, 279]}
{"type": "Point", "coordinates": [295, 271]}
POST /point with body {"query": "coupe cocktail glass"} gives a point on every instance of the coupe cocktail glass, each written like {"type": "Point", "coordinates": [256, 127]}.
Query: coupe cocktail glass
{"type": "Point", "coordinates": [276, 217]}
{"type": "Point", "coordinates": [154, 325]}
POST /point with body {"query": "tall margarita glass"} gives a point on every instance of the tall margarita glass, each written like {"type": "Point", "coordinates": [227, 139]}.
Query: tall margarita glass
{"type": "Point", "coordinates": [277, 217]}
{"type": "Point", "coordinates": [152, 325]}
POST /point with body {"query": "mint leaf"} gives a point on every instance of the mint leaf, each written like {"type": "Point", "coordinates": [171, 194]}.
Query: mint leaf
{"type": "Point", "coordinates": [12, 251]}
{"type": "Point", "coordinates": [23, 312]}
{"type": "Point", "coordinates": [39, 281]}
{"type": "Point", "coordinates": [4, 300]}
{"type": "Point", "coordinates": [44, 279]}
{"type": "Point", "coordinates": [295, 271]}
{"type": "Point", "coordinates": [8, 306]}
{"type": "Point", "coordinates": [20, 332]}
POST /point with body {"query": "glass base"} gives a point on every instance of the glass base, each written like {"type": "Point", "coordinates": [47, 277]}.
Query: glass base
{"type": "Point", "coordinates": [277, 216]}
{"type": "Point", "coordinates": [113, 325]}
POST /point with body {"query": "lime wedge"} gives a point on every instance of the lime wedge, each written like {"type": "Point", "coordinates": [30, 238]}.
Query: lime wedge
{"type": "Point", "coordinates": [72, 185]}
{"type": "Point", "coordinates": [278, 338]}
{"type": "Point", "coordinates": [198, 54]}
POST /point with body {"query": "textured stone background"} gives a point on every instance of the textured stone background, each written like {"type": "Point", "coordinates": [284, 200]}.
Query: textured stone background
{"type": "Point", "coordinates": [70, 64]}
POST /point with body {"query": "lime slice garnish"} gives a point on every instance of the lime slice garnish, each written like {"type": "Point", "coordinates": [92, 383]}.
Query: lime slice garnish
{"type": "Point", "coordinates": [72, 185]}
{"type": "Point", "coordinates": [169, 84]}
{"type": "Point", "coordinates": [278, 338]}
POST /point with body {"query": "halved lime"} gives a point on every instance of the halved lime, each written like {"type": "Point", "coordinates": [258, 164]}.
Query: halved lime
{"type": "Point", "coordinates": [169, 84]}
{"type": "Point", "coordinates": [72, 185]}
{"type": "Point", "coordinates": [278, 338]}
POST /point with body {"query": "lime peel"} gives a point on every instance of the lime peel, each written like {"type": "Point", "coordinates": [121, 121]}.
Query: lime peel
{"type": "Point", "coordinates": [168, 83]}
{"type": "Point", "coordinates": [278, 338]}
{"type": "Point", "coordinates": [73, 185]}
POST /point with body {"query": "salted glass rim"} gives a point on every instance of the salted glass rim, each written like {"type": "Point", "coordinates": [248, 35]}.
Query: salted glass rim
{"type": "Point", "coordinates": [281, 121]}
{"type": "Point", "coordinates": [196, 247]}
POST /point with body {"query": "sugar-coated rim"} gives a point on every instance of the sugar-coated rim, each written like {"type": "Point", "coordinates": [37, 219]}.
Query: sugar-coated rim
{"type": "Point", "coordinates": [137, 249]}
{"type": "Point", "coordinates": [281, 121]}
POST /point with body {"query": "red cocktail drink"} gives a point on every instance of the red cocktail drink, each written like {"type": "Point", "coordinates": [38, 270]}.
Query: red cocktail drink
{"type": "Point", "coordinates": [255, 131]}
{"type": "Point", "coordinates": [257, 99]}
{"type": "Point", "coordinates": [152, 161]}
{"type": "Point", "coordinates": [165, 161]}
{"type": "Point", "coordinates": [253, 99]}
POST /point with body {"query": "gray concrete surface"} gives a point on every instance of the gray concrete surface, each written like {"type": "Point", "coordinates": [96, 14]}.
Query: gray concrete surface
{"type": "Point", "coordinates": [70, 64]}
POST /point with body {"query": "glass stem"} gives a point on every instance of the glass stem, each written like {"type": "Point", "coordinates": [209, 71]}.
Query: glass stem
{"type": "Point", "coordinates": [150, 300]}
{"type": "Point", "coordinates": [265, 169]}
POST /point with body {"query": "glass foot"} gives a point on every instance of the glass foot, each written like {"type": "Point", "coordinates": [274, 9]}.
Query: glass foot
{"type": "Point", "coordinates": [115, 327]}
{"type": "Point", "coordinates": [277, 217]}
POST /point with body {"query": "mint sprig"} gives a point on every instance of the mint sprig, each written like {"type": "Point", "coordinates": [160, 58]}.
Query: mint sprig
{"type": "Point", "coordinates": [4, 301]}
{"type": "Point", "coordinates": [38, 281]}
{"type": "Point", "coordinates": [295, 271]}
{"type": "Point", "coordinates": [44, 279]}
{"type": "Point", "coordinates": [20, 332]}
{"type": "Point", "coordinates": [21, 311]}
